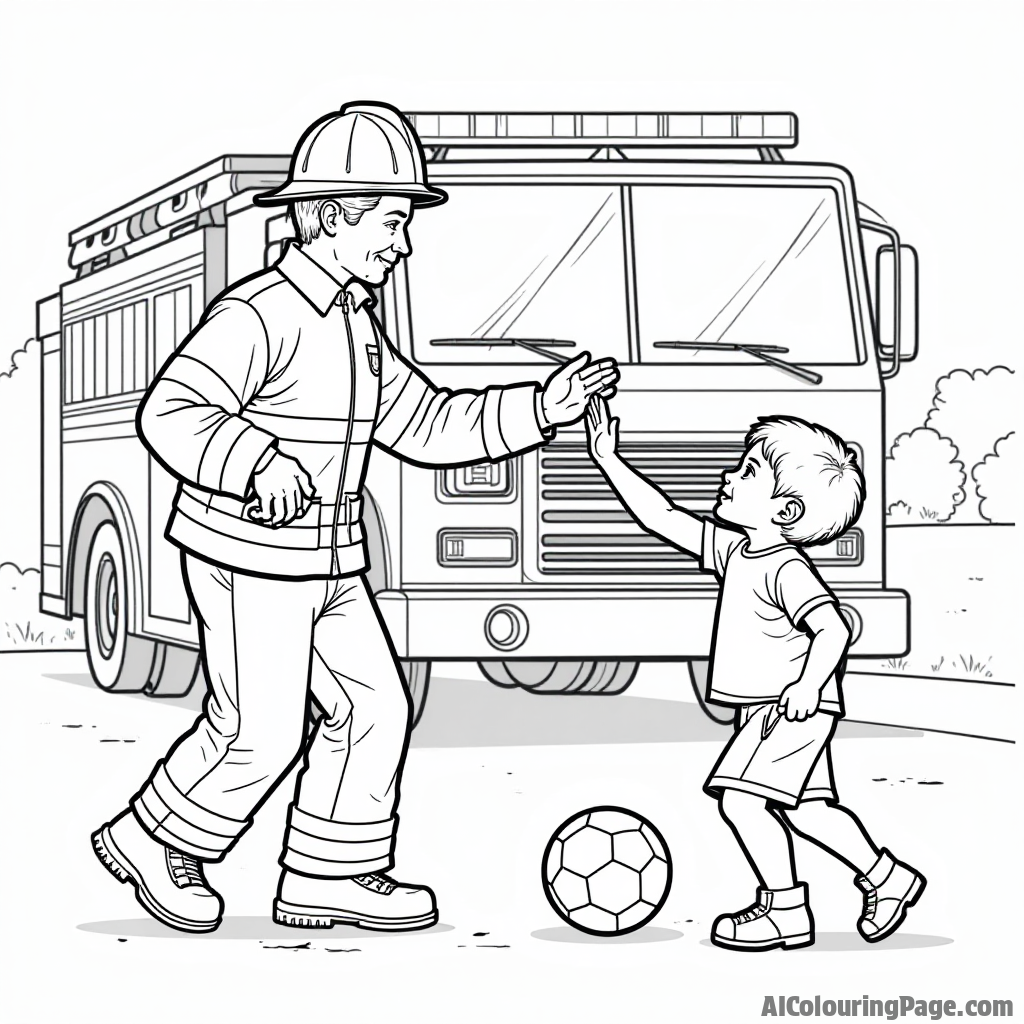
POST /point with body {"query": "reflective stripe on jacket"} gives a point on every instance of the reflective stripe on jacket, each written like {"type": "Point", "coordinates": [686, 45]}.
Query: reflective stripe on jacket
{"type": "Point", "coordinates": [290, 359]}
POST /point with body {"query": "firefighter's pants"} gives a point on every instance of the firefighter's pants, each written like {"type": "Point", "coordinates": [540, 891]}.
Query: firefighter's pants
{"type": "Point", "coordinates": [266, 644]}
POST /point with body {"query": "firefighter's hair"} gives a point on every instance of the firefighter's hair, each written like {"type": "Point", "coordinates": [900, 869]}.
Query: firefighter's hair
{"type": "Point", "coordinates": [816, 466]}
{"type": "Point", "coordinates": [306, 213]}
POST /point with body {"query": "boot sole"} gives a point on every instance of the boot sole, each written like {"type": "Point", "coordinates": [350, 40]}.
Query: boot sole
{"type": "Point", "coordinates": [789, 942]}
{"type": "Point", "coordinates": [114, 860]}
{"type": "Point", "coordinates": [295, 916]}
{"type": "Point", "coordinates": [913, 895]}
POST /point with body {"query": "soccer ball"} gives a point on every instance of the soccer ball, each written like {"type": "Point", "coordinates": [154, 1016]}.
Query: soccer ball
{"type": "Point", "coordinates": [606, 871]}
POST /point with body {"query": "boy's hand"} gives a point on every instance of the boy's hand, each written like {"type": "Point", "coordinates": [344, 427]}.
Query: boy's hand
{"type": "Point", "coordinates": [799, 701]}
{"type": "Point", "coordinates": [602, 430]}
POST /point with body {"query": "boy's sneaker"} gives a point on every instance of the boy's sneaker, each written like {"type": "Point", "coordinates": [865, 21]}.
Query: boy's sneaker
{"type": "Point", "coordinates": [367, 901]}
{"type": "Point", "coordinates": [780, 918]}
{"type": "Point", "coordinates": [168, 883]}
{"type": "Point", "coordinates": [889, 889]}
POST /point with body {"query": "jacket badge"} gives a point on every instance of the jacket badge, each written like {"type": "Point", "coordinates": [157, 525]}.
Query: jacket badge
{"type": "Point", "coordinates": [373, 355]}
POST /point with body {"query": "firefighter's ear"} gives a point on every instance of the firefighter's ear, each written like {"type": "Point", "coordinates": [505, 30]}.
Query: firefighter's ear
{"type": "Point", "coordinates": [791, 512]}
{"type": "Point", "coordinates": [330, 215]}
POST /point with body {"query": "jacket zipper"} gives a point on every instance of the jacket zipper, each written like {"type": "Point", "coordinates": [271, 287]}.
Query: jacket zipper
{"type": "Point", "coordinates": [335, 560]}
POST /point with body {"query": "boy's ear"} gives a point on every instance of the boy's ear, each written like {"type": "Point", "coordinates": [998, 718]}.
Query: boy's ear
{"type": "Point", "coordinates": [790, 513]}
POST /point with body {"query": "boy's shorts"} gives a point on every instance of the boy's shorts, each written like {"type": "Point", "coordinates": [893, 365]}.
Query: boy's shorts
{"type": "Point", "coordinates": [784, 761]}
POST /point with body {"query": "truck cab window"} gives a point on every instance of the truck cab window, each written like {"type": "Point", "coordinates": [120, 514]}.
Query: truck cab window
{"type": "Point", "coordinates": [522, 261]}
{"type": "Point", "coordinates": [741, 265]}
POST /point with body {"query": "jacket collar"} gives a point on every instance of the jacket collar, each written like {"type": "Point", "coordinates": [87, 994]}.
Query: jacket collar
{"type": "Point", "coordinates": [316, 286]}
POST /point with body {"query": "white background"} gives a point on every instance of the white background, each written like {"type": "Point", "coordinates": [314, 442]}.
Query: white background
{"type": "Point", "coordinates": [921, 101]}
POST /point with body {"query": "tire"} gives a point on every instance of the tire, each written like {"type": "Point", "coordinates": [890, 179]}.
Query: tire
{"type": "Point", "coordinates": [417, 682]}
{"type": "Point", "coordinates": [543, 677]}
{"type": "Point", "coordinates": [698, 670]}
{"type": "Point", "coordinates": [119, 662]}
{"type": "Point", "coordinates": [175, 670]}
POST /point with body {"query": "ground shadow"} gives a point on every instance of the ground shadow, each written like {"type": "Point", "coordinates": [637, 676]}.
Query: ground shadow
{"type": "Point", "coordinates": [476, 713]}
{"type": "Point", "coordinates": [249, 928]}
{"type": "Point", "coordinates": [566, 934]}
{"type": "Point", "coordinates": [851, 942]}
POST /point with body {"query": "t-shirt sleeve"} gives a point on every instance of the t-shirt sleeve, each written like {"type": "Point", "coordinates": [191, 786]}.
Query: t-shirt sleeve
{"type": "Point", "coordinates": [799, 590]}
{"type": "Point", "coordinates": [717, 544]}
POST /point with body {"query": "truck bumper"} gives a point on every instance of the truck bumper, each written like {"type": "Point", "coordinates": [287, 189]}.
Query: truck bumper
{"type": "Point", "coordinates": [437, 625]}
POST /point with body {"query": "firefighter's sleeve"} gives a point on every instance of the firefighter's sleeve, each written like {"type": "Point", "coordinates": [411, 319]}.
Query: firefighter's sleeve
{"type": "Point", "coordinates": [190, 416]}
{"type": "Point", "coordinates": [437, 427]}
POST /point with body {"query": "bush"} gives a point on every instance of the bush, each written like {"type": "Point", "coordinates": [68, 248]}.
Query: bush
{"type": "Point", "coordinates": [19, 457]}
{"type": "Point", "coordinates": [997, 479]}
{"type": "Point", "coordinates": [22, 625]}
{"type": "Point", "coordinates": [974, 409]}
{"type": "Point", "coordinates": [924, 477]}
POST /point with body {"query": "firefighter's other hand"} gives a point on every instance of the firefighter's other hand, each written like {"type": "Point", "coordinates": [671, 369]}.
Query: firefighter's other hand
{"type": "Point", "coordinates": [571, 386]}
{"type": "Point", "coordinates": [284, 490]}
{"type": "Point", "coordinates": [602, 430]}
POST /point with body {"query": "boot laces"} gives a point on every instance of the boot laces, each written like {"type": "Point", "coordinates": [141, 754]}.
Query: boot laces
{"type": "Point", "coordinates": [752, 913]}
{"type": "Point", "coordinates": [378, 883]}
{"type": "Point", "coordinates": [870, 902]}
{"type": "Point", "coordinates": [185, 870]}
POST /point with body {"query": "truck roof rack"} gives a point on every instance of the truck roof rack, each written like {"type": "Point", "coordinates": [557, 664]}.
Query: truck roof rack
{"type": "Point", "coordinates": [181, 205]}
{"type": "Point", "coordinates": [612, 130]}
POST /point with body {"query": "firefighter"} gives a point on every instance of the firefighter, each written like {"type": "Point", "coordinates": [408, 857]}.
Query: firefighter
{"type": "Point", "coordinates": [266, 415]}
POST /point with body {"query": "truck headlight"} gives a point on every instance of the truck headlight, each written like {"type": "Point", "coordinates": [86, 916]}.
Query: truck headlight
{"type": "Point", "coordinates": [489, 480]}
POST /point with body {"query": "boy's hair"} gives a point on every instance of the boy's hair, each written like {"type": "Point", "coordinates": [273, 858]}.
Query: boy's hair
{"type": "Point", "coordinates": [818, 467]}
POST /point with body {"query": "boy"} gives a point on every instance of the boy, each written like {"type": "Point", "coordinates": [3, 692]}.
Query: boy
{"type": "Point", "coordinates": [778, 645]}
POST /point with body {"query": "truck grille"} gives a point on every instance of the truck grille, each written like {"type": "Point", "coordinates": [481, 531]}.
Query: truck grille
{"type": "Point", "coordinates": [584, 528]}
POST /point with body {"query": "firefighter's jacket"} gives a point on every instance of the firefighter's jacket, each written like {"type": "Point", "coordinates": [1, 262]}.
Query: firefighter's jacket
{"type": "Point", "coordinates": [291, 359]}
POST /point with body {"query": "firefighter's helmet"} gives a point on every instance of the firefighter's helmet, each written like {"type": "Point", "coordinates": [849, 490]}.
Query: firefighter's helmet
{"type": "Point", "coordinates": [363, 149]}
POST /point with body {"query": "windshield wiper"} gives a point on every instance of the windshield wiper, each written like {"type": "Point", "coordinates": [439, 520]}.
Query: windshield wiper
{"type": "Point", "coordinates": [538, 346]}
{"type": "Point", "coordinates": [757, 351]}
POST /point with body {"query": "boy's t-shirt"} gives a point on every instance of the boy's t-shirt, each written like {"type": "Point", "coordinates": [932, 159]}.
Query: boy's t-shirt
{"type": "Point", "coordinates": [759, 648]}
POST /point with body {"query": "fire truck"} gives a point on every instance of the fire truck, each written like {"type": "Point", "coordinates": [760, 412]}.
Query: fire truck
{"type": "Point", "coordinates": [729, 283]}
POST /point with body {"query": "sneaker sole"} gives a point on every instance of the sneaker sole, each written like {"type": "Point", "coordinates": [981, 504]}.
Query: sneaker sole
{"type": "Point", "coordinates": [913, 895]}
{"type": "Point", "coordinates": [114, 860]}
{"type": "Point", "coordinates": [295, 916]}
{"type": "Point", "coordinates": [789, 942]}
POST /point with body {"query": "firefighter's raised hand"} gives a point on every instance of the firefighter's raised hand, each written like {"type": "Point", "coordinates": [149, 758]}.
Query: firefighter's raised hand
{"type": "Point", "coordinates": [283, 489]}
{"type": "Point", "coordinates": [571, 386]}
{"type": "Point", "coordinates": [602, 430]}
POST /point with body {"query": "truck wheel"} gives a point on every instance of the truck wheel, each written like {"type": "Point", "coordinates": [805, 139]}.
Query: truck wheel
{"type": "Point", "coordinates": [610, 677]}
{"type": "Point", "coordinates": [118, 662]}
{"type": "Point", "coordinates": [174, 671]}
{"type": "Point", "coordinates": [417, 682]}
{"type": "Point", "coordinates": [698, 670]}
{"type": "Point", "coordinates": [562, 676]}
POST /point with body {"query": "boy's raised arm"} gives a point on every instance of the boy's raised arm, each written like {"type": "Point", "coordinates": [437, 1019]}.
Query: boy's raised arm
{"type": "Point", "coordinates": [648, 505]}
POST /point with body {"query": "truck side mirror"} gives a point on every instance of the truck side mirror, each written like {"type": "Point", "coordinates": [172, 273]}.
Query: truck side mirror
{"type": "Point", "coordinates": [885, 303]}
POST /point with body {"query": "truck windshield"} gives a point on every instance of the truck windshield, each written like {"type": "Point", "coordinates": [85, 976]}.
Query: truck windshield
{"type": "Point", "coordinates": [722, 268]}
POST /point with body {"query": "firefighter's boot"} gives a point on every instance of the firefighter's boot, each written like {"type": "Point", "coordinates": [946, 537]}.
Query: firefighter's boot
{"type": "Point", "coordinates": [889, 888]}
{"type": "Point", "coordinates": [168, 883]}
{"type": "Point", "coordinates": [780, 917]}
{"type": "Point", "coordinates": [367, 901]}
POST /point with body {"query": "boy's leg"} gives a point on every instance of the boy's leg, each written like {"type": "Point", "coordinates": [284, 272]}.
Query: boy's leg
{"type": "Point", "coordinates": [836, 830]}
{"type": "Point", "coordinates": [889, 886]}
{"type": "Point", "coordinates": [762, 836]}
{"type": "Point", "coordinates": [767, 762]}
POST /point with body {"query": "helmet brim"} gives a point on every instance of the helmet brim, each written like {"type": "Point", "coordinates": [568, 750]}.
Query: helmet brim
{"type": "Point", "coordinates": [421, 195]}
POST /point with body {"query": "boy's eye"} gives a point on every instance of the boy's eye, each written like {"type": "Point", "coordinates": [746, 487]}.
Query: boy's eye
{"type": "Point", "coordinates": [748, 471]}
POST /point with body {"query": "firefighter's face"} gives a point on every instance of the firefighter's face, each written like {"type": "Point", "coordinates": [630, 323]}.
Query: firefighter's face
{"type": "Point", "coordinates": [372, 247]}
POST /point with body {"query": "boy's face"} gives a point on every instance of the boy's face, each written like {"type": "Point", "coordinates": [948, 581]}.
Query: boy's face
{"type": "Point", "coordinates": [745, 497]}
